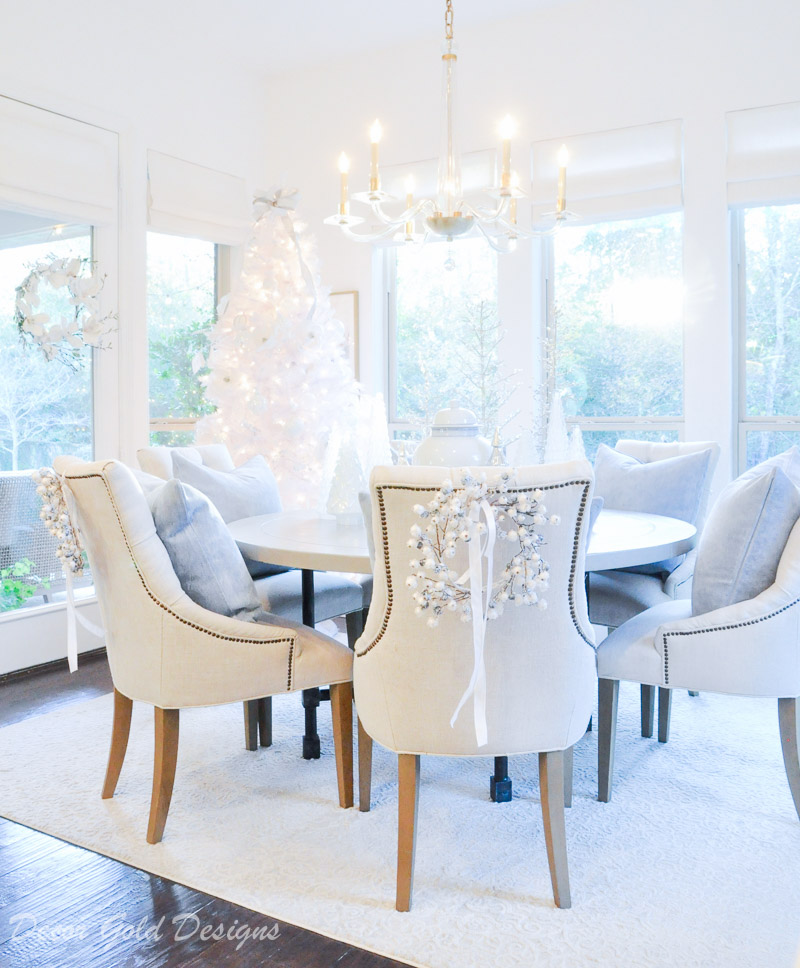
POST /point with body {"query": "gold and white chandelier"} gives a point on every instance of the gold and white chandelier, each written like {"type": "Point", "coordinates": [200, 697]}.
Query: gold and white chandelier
{"type": "Point", "coordinates": [448, 215]}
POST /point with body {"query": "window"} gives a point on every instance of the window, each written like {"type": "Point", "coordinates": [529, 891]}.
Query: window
{"type": "Point", "coordinates": [443, 332]}
{"type": "Point", "coordinates": [616, 328]}
{"type": "Point", "coordinates": [181, 301]}
{"type": "Point", "coordinates": [767, 242]}
{"type": "Point", "coordinates": [45, 407]}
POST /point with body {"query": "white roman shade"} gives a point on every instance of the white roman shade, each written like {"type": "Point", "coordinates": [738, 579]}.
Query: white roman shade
{"type": "Point", "coordinates": [627, 171]}
{"type": "Point", "coordinates": [198, 202]}
{"type": "Point", "coordinates": [764, 154]}
{"type": "Point", "coordinates": [57, 166]}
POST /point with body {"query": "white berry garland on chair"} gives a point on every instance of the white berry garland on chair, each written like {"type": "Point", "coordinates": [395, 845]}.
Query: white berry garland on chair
{"type": "Point", "coordinates": [450, 517]}
{"type": "Point", "coordinates": [83, 327]}
{"type": "Point", "coordinates": [55, 514]}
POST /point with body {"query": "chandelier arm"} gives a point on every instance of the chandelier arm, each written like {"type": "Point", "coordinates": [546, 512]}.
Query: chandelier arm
{"type": "Point", "coordinates": [396, 221]}
{"type": "Point", "coordinates": [481, 215]}
{"type": "Point", "coordinates": [368, 236]}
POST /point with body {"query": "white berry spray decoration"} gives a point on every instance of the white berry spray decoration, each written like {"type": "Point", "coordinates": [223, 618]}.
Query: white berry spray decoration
{"type": "Point", "coordinates": [450, 518]}
{"type": "Point", "coordinates": [55, 514]}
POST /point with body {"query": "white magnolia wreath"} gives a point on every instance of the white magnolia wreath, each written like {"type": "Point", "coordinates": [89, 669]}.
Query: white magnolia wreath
{"type": "Point", "coordinates": [84, 327]}
{"type": "Point", "coordinates": [452, 516]}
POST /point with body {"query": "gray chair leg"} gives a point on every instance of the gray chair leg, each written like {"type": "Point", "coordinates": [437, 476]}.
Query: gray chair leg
{"type": "Point", "coordinates": [251, 724]}
{"type": "Point", "coordinates": [551, 785]}
{"type": "Point", "coordinates": [648, 709]}
{"type": "Point", "coordinates": [355, 626]}
{"type": "Point", "coordinates": [789, 726]}
{"type": "Point", "coordinates": [568, 758]}
{"type": "Point", "coordinates": [693, 693]}
{"type": "Point", "coordinates": [664, 713]}
{"type": "Point", "coordinates": [608, 693]}
{"type": "Point", "coordinates": [265, 721]}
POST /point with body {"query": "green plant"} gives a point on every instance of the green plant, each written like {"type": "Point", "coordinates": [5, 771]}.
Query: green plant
{"type": "Point", "coordinates": [17, 584]}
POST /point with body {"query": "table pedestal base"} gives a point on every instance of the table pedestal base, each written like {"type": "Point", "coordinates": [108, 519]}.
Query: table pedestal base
{"type": "Point", "coordinates": [500, 784]}
{"type": "Point", "coordinates": [311, 697]}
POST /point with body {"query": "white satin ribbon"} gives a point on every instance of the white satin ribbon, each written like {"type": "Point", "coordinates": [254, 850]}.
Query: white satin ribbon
{"type": "Point", "coordinates": [73, 615]}
{"type": "Point", "coordinates": [480, 614]}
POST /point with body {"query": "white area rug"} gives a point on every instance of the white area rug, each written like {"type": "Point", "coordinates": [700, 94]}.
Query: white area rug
{"type": "Point", "coordinates": [696, 862]}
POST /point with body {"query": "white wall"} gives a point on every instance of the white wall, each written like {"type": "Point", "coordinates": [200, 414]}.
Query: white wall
{"type": "Point", "coordinates": [572, 68]}
{"type": "Point", "coordinates": [124, 67]}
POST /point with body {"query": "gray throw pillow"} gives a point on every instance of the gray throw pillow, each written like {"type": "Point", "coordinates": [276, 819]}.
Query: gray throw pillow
{"type": "Point", "coordinates": [241, 493]}
{"type": "Point", "coordinates": [673, 487]}
{"type": "Point", "coordinates": [203, 553]}
{"type": "Point", "coordinates": [743, 540]}
{"type": "Point", "coordinates": [788, 461]}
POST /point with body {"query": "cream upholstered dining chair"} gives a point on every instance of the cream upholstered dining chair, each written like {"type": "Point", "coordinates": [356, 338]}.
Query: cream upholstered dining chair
{"type": "Point", "coordinates": [279, 588]}
{"type": "Point", "coordinates": [616, 596]}
{"type": "Point", "coordinates": [540, 664]}
{"type": "Point", "coordinates": [169, 652]}
{"type": "Point", "coordinates": [749, 648]}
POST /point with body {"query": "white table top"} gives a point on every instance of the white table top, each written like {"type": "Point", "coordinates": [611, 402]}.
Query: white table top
{"type": "Point", "coordinates": [304, 539]}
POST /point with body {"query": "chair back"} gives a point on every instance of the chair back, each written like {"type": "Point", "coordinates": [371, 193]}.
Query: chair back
{"type": "Point", "coordinates": [540, 664]}
{"type": "Point", "coordinates": [135, 582]}
{"type": "Point", "coordinates": [158, 460]}
{"type": "Point", "coordinates": [648, 451]}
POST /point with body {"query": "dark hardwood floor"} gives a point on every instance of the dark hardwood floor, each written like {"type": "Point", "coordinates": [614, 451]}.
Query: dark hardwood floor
{"type": "Point", "coordinates": [63, 906]}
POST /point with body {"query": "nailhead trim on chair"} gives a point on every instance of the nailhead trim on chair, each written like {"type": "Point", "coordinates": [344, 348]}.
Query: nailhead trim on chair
{"type": "Point", "coordinates": [718, 628]}
{"type": "Point", "coordinates": [521, 490]}
{"type": "Point", "coordinates": [161, 605]}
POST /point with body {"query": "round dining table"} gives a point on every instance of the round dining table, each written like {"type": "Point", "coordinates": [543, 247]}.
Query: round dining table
{"type": "Point", "coordinates": [311, 542]}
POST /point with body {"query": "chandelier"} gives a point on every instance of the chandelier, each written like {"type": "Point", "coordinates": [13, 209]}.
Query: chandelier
{"type": "Point", "coordinates": [447, 215]}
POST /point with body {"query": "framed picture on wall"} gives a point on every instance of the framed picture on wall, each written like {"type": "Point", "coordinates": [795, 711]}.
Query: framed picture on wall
{"type": "Point", "coordinates": [345, 308]}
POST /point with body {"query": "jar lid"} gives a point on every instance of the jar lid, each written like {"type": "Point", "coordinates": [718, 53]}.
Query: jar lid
{"type": "Point", "coordinates": [456, 417]}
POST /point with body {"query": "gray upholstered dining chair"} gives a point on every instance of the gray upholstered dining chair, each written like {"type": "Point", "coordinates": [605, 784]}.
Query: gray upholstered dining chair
{"type": "Point", "coordinates": [748, 648]}
{"type": "Point", "coordinates": [279, 588]}
{"type": "Point", "coordinates": [540, 664]}
{"type": "Point", "coordinates": [616, 596]}
{"type": "Point", "coordinates": [169, 652]}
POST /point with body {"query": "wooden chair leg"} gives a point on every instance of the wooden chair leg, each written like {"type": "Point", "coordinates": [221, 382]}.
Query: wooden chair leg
{"type": "Point", "coordinates": [364, 769]}
{"type": "Point", "coordinates": [790, 726]}
{"type": "Point", "coordinates": [342, 711]}
{"type": "Point", "coordinates": [648, 709]}
{"type": "Point", "coordinates": [355, 626]}
{"type": "Point", "coordinates": [251, 724]}
{"type": "Point", "coordinates": [568, 758]}
{"type": "Point", "coordinates": [265, 721]}
{"type": "Point", "coordinates": [166, 758]}
{"type": "Point", "coordinates": [664, 713]}
{"type": "Point", "coordinates": [551, 785]}
{"type": "Point", "coordinates": [407, 810]}
{"type": "Point", "coordinates": [608, 692]}
{"type": "Point", "coordinates": [119, 742]}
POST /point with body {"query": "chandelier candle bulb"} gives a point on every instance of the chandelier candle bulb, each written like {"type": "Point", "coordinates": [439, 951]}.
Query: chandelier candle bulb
{"type": "Point", "coordinates": [512, 208]}
{"type": "Point", "coordinates": [375, 133]}
{"type": "Point", "coordinates": [409, 205]}
{"type": "Point", "coordinates": [344, 168]}
{"type": "Point", "coordinates": [563, 158]}
{"type": "Point", "coordinates": [508, 128]}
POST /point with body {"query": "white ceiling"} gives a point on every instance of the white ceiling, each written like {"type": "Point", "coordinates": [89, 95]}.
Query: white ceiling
{"type": "Point", "coordinates": [273, 36]}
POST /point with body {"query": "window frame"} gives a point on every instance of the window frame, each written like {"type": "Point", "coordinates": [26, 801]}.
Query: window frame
{"type": "Point", "coordinates": [624, 425]}
{"type": "Point", "coordinates": [744, 423]}
{"type": "Point", "coordinates": [222, 278]}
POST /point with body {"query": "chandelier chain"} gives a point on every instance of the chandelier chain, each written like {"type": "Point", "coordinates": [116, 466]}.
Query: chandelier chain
{"type": "Point", "coordinates": [448, 21]}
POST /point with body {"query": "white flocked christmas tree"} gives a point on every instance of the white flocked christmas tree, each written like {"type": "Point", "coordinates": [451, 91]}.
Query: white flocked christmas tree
{"type": "Point", "coordinates": [278, 373]}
